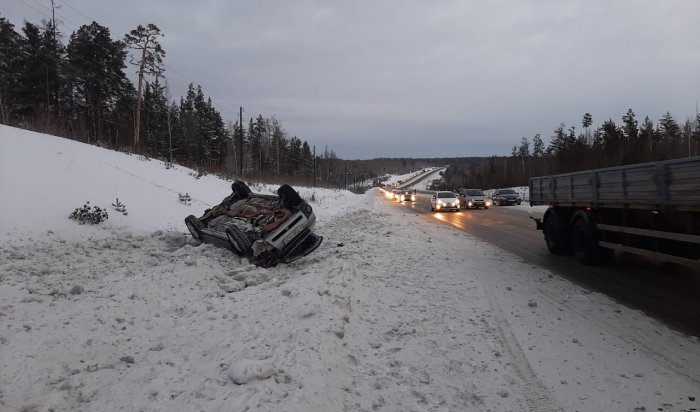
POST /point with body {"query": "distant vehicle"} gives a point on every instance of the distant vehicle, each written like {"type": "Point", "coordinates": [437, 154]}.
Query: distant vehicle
{"type": "Point", "coordinates": [405, 196]}
{"type": "Point", "coordinates": [473, 198]}
{"type": "Point", "coordinates": [504, 197]}
{"type": "Point", "coordinates": [267, 229]}
{"type": "Point", "coordinates": [443, 200]}
{"type": "Point", "coordinates": [650, 209]}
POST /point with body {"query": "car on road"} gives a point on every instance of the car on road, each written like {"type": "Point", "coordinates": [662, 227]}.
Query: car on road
{"type": "Point", "coordinates": [405, 196]}
{"type": "Point", "coordinates": [267, 229]}
{"type": "Point", "coordinates": [473, 198]}
{"type": "Point", "coordinates": [444, 200]}
{"type": "Point", "coordinates": [504, 197]}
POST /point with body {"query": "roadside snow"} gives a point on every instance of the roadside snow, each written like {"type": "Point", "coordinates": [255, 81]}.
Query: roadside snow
{"type": "Point", "coordinates": [392, 312]}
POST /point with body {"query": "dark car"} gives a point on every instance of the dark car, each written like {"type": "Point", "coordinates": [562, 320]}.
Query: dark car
{"type": "Point", "coordinates": [268, 229]}
{"type": "Point", "coordinates": [504, 197]}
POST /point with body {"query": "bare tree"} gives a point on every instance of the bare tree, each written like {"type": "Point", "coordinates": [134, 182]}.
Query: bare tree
{"type": "Point", "coordinates": [145, 40]}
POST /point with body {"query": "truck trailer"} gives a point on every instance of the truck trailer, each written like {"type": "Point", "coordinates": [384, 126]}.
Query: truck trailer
{"type": "Point", "coordinates": [650, 209]}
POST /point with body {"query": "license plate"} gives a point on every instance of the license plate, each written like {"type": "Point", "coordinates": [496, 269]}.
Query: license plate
{"type": "Point", "coordinates": [292, 234]}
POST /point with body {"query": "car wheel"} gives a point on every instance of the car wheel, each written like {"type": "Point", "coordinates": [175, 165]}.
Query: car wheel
{"type": "Point", "coordinates": [241, 189]}
{"type": "Point", "coordinates": [194, 226]}
{"type": "Point", "coordinates": [290, 198]}
{"type": "Point", "coordinates": [239, 242]}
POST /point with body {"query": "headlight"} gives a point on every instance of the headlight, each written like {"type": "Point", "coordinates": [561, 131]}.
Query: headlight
{"type": "Point", "coordinates": [440, 203]}
{"type": "Point", "coordinates": [403, 198]}
{"type": "Point", "coordinates": [413, 197]}
{"type": "Point", "coordinates": [470, 204]}
{"type": "Point", "coordinates": [487, 203]}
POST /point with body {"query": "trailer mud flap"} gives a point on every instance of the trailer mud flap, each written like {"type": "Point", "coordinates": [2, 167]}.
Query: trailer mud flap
{"type": "Point", "coordinates": [538, 223]}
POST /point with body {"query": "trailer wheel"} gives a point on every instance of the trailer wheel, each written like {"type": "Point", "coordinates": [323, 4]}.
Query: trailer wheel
{"type": "Point", "coordinates": [555, 234]}
{"type": "Point", "coordinates": [239, 242]}
{"type": "Point", "coordinates": [585, 243]}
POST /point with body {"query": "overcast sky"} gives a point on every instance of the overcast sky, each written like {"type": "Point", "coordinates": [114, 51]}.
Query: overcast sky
{"type": "Point", "coordinates": [416, 78]}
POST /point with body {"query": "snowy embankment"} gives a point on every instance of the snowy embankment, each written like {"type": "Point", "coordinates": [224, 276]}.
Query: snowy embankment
{"type": "Point", "coordinates": [392, 312]}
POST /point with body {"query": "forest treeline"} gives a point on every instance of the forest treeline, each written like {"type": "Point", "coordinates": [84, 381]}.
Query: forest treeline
{"type": "Point", "coordinates": [608, 145]}
{"type": "Point", "coordinates": [76, 87]}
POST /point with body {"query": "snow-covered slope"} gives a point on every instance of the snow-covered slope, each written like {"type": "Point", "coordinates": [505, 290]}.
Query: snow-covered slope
{"type": "Point", "coordinates": [394, 312]}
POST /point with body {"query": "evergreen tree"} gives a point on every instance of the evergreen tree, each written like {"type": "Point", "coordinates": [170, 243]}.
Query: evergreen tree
{"type": "Point", "coordinates": [10, 69]}
{"type": "Point", "coordinates": [648, 140]}
{"type": "Point", "coordinates": [687, 133]}
{"type": "Point", "coordinates": [150, 62]}
{"type": "Point", "coordinates": [154, 125]}
{"type": "Point", "coordinates": [630, 126]}
{"type": "Point", "coordinates": [96, 77]}
{"type": "Point", "coordinates": [307, 160]}
{"type": "Point", "coordinates": [670, 134]}
{"type": "Point", "coordinates": [587, 121]}
{"type": "Point", "coordinates": [696, 137]}
{"type": "Point", "coordinates": [613, 141]}
{"type": "Point", "coordinates": [31, 93]}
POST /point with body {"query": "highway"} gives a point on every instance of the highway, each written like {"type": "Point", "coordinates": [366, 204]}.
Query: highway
{"type": "Point", "coordinates": [667, 292]}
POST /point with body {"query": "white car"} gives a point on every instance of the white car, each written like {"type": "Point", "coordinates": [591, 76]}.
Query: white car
{"type": "Point", "coordinates": [444, 200]}
{"type": "Point", "coordinates": [405, 196]}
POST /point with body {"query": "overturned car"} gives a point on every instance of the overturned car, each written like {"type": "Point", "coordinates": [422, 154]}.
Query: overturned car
{"type": "Point", "coordinates": [267, 229]}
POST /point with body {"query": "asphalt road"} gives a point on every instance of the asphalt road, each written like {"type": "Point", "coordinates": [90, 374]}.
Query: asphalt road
{"type": "Point", "coordinates": [667, 292]}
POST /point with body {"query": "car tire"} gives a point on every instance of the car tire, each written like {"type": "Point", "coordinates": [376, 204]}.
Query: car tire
{"type": "Point", "coordinates": [290, 198]}
{"type": "Point", "coordinates": [239, 242]}
{"type": "Point", "coordinates": [241, 189]}
{"type": "Point", "coordinates": [194, 226]}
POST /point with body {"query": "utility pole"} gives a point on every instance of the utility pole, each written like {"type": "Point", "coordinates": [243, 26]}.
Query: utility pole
{"type": "Point", "coordinates": [240, 123]}
{"type": "Point", "coordinates": [314, 183]}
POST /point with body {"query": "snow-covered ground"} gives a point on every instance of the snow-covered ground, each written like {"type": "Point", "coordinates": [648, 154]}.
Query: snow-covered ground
{"type": "Point", "coordinates": [391, 313]}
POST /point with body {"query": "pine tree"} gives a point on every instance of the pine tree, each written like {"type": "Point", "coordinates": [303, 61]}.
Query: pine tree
{"type": "Point", "coordinates": [670, 134]}
{"type": "Point", "coordinates": [587, 121]}
{"type": "Point", "coordinates": [150, 62]}
{"type": "Point", "coordinates": [96, 77]}
{"type": "Point", "coordinates": [648, 140]}
{"type": "Point", "coordinates": [10, 69]}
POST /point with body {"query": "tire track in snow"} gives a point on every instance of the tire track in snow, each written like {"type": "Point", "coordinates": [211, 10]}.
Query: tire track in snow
{"type": "Point", "coordinates": [537, 396]}
{"type": "Point", "coordinates": [675, 363]}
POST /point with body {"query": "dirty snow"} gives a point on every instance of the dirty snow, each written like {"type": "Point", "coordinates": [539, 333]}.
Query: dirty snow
{"type": "Point", "coordinates": [391, 313]}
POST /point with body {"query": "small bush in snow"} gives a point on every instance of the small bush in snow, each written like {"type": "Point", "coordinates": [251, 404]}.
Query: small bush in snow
{"type": "Point", "coordinates": [120, 207]}
{"type": "Point", "coordinates": [89, 214]}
